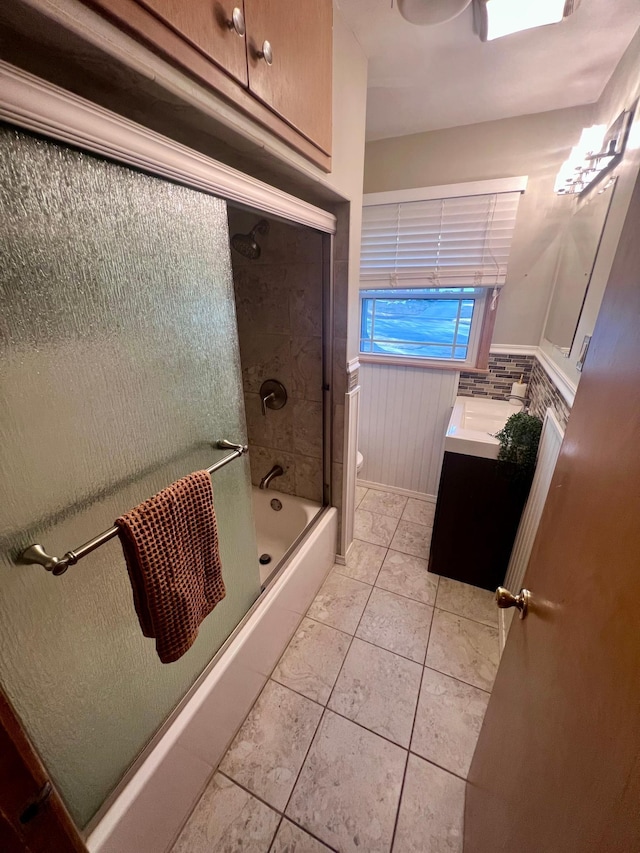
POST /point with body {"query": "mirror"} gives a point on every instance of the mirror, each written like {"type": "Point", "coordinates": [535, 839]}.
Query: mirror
{"type": "Point", "coordinates": [578, 252]}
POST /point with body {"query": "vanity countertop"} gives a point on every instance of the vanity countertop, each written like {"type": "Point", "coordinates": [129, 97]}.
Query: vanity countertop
{"type": "Point", "coordinates": [473, 424]}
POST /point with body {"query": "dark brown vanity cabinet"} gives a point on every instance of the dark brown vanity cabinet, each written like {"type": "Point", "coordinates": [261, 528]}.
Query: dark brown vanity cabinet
{"type": "Point", "coordinates": [480, 502]}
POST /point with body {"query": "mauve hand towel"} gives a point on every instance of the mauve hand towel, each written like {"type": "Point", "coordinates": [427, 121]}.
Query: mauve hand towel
{"type": "Point", "coordinates": [170, 544]}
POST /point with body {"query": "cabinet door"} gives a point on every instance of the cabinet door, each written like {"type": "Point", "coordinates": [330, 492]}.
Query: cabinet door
{"type": "Point", "coordinates": [206, 25]}
{"type": "Point", "coordinates": [297, 85]}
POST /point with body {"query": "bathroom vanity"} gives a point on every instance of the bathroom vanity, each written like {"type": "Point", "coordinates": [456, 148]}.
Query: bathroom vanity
{"type": "Point", "coordinates": [480, 501]}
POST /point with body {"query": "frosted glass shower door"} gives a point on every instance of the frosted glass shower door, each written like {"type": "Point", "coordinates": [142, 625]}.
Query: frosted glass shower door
{"type": "Point", "coordinates": [120, 368]}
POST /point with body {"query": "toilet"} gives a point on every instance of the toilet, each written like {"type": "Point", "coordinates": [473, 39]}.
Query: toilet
{"type": "Point", "coordinates": [359, 462]}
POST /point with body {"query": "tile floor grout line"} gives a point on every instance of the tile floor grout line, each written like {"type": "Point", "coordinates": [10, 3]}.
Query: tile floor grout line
{"type": "Point", "coordinates": [318, 622]}
{"type": "Point", "coordinates": [281, 813]}
{"type": "Point", "coordinates": [298, 693]}
{"type": "Point", "coordinates": [415, 714]}
{"type": "Point", "coordinates": [395, 592]}
{"type": "Point", "coordinates": [377, 511]}
{"type": "Point", "coordinates": [255, 701]}
{"type": "Point", "coordinates": [373, 512]}
{"type": "Point", "coordinates": [364, 727]}
{"type": "Point", "coordinates": [455, 678]}
{"type": "Point", "coordinates": [338, 566]}
{"type": "Point", "coordinates": [355, 722]}
{"type": "Point", "coordinates": [324, 710]}
{"type": "Point", "coordinates": [439, 766]}
{"type": "Point", "coordinates": [252, 793]}
{"type": "Point", "coordinates": [461, 616]}
{"type": "Point", "coordinates": [408, 597]}
{"type": "Point", "coordinates": [295, 784]}
{"type": "Point", "coordinates": [275, 835]}
{"type": "Point", "coordinates": [371, 731]}
{"type": "Point", "coordinates": [353, 636]}
{"type": "Point", "coordinates": [304, 760]}
{"type": "Point", "coordinates": [392, 652]}
{"type": "Point", "coordinates": [311, 834]}
{"type": "Point", "coordinates": [396, 548]}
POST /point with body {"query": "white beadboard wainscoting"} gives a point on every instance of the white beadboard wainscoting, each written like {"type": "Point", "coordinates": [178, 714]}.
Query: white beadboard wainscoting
{"type": "Point", "coordinates": [404, 412]}
{"type": "Point", "coordinates": [550, 441]}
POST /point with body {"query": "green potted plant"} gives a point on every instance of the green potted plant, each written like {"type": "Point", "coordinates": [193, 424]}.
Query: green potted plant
{"type": "Point", "coordinates": [519, 439]}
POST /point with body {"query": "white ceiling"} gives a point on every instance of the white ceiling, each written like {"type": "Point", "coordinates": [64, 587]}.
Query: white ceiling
{"type": "Point", "coordinates": [426, 78]}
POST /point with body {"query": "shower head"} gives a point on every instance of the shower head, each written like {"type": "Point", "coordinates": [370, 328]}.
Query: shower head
{"type": "Point", "coordinates": [246, 244]}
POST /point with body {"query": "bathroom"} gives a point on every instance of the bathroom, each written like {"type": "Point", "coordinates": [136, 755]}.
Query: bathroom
{"type": "Point", "coordinates": [207, 289]}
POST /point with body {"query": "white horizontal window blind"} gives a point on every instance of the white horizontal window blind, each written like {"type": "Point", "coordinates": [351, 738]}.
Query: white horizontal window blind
{"type": "Point", "coordinates": [449, 242]}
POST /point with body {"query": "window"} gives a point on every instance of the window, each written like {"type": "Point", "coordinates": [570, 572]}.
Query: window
{"type": "Point", "coordinates": [431, 269]}
{"type": "Point", "coordinates": [431, 323]}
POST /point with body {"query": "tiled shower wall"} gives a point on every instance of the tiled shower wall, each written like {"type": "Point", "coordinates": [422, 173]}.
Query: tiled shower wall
{"type": "Point", "coordinates": [279, 308]}
{"type": "Point", "coordinates": [506, 369]}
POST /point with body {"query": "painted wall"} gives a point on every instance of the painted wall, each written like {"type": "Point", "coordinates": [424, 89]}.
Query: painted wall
{"type": "Point", "coordinates": [621, 92]}
{"type": "Point", "coordinates": [533, 145]}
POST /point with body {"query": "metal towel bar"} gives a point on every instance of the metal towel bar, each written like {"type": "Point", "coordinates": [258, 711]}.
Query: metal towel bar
{"type": "Point", "coordinates": [35, 555]}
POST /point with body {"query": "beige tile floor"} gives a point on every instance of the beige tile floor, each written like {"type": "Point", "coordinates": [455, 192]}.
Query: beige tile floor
{"type": "Point", "coordinates": [363, 737]}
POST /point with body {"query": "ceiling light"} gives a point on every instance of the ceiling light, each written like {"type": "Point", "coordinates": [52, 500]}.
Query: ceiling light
{"type": "Point", "coordinates": [497, 18]}
{"type": "Point", "coordinates": [428, 12]}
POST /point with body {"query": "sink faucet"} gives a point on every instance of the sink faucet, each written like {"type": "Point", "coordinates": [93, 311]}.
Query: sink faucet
{"type": "Point", "coordinates": [521, 399]}
{"type": "Point", "coordinates": [276, 471]}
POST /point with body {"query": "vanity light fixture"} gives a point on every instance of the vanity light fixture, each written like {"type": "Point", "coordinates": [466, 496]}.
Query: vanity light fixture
{"type": "Point", "coordinates": [598, 151]}
{"type": "Point", "coordinates": [494, 19]}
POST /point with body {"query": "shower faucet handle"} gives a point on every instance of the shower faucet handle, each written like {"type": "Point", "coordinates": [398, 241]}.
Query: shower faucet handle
{"type": "Point", "coordinates": [273, 395]}
{"type": "Point", "coordinates": [270, 398]}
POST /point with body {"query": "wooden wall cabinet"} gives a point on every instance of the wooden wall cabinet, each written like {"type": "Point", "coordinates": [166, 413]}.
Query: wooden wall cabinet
{"type": "Point", "coordinates": [298, 83]}
{"type": "Point", "coordinates": [275, 64]}
{"type": "Point", "coordinates": [208, 26]}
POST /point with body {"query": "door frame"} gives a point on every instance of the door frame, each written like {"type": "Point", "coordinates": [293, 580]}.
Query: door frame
{"type": "Point", "coordinates": [23, 783]}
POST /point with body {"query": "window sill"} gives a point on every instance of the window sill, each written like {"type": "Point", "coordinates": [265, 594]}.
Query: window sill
{"type": "Point", "coordinates": [426, 364]}
{"type": "Point", "coordinates": [403, 361]}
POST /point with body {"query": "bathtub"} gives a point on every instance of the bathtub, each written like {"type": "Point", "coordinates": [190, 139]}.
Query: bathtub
{"type": "Point", "coordinates": [278, 529]}
{"type": "Point", "coordinates": [150, 806]}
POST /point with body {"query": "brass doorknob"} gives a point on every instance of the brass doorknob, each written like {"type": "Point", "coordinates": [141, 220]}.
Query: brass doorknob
{"type": "Point", "coordinates": [504, 599]}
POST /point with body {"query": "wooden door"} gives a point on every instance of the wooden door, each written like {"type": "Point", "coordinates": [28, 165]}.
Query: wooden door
{"type": "Point", "coordinates": [557, 767]}
{"type": "Point", "coordinates": [205, 24]}
{"type": "Point", "coordinates": [32, 815]}
{"type": "Point", "coordinates": [297, 85]}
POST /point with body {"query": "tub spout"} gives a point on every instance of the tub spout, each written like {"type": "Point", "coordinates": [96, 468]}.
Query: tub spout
{"type": "Point", "coordinates": [276, 471]}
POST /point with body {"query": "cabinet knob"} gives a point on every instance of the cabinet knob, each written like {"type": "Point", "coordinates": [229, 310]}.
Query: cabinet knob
{"type": "Point", "coordinates": [266, 53]}
{"type": "Point", "coordinates": [237, 22]}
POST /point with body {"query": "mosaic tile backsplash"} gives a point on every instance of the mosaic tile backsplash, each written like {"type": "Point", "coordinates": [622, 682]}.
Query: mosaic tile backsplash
{"type": "Point", "coordinates": [506, 369]}
{"type": "Point", "coordinates": [543, 394]}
